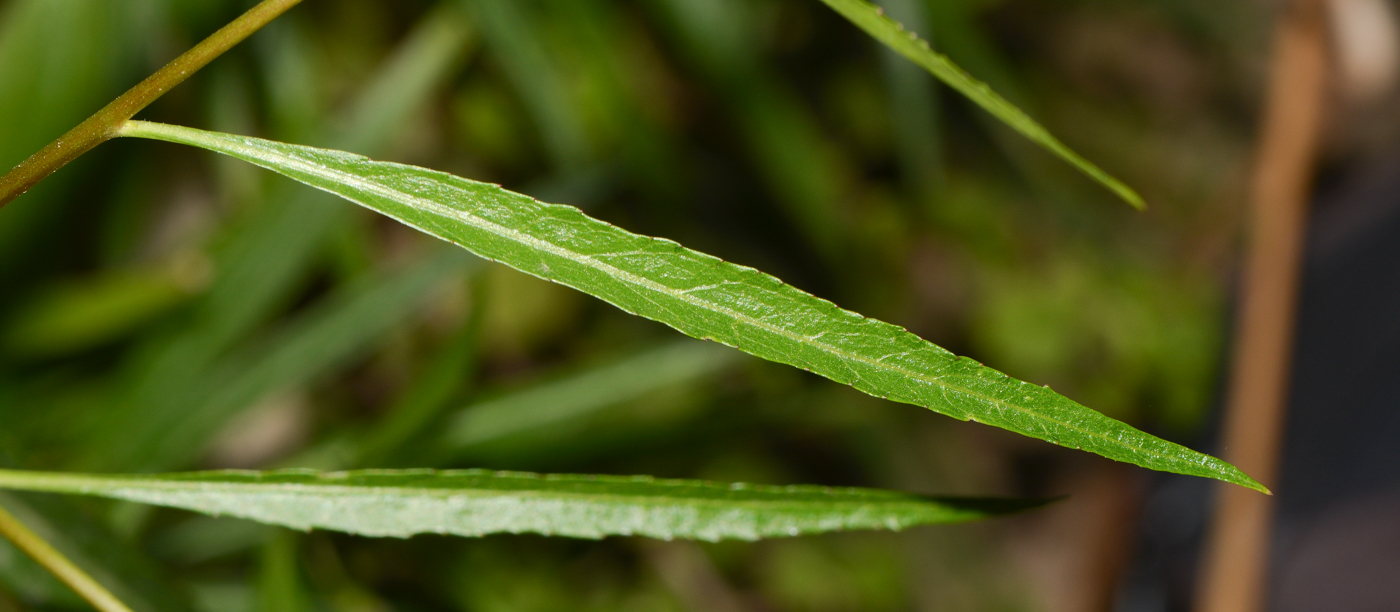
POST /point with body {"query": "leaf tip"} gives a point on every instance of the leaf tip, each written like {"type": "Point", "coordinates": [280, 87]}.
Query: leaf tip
{"type": "Point", "coordinates": [1125, 192]}
{"type": "Point", "coordinates": [1244, 480]}
{"type": "Point", "coordinates": [1137, 202]}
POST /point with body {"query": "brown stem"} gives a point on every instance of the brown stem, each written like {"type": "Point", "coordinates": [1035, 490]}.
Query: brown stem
{"type": "Point", "coordinates": [1237, 553]}
{"type": "Point", "coordinates": [104, 123]}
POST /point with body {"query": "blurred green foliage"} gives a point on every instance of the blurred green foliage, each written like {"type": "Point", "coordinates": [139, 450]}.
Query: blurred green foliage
{"type": "Point", "coordinates": [168, 310]}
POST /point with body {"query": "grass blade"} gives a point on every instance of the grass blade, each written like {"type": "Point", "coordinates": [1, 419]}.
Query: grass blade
{"type": "Point", "coordinates": [516, 44]}
{"type": "Point", "coordinates": [402, 503]}
{"type": "Point", "coordinates": [804, 170]}
{"type": "Point", "coordinates": [704, 297]}
{"type": "Point", "coordinates": [53, 87]}
{"type": "Point", "coordinates": [582, 394]}
{"type": "Point", "coordinates": [446, 374]}
{"type": "Point", "coordinates": [345, 325]}
{"type": "Point", "coordinates": [873, 21]}
{"type": "Point", "coordinates": [438, 45]}
{"type": "Point", "coordinates": [914, 107]}
{"type": "Point", "coordinates": [79, 315]}
{"type": "Point", "coordinates": [280, 588]}
{"type": "Point", "coordinates": [261, 263]}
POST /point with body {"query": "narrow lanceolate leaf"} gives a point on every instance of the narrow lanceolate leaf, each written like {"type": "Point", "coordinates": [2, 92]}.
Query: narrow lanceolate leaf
{"type": "Point", "coordinates": [704, 297]}
{"type": "Point", "coordinates": [477, 502]}
{"type": "Point", "coordinates": [873, 21]}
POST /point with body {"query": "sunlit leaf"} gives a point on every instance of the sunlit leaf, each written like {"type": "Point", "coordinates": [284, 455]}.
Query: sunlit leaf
{"type": "Point", "coordinates": [704, 297]}
{"type": "Point", "coordinates": [478, 502]}
{"type": "Point", "coordinates": [870, 18]}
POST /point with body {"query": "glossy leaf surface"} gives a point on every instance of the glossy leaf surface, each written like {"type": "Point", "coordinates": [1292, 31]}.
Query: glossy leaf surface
{"type": "Point", "coordinates": [704, 297]}
{"type": "Point", "coordinates": [479, 502]}
{"type": "Point", "coordinates": [873, 21]}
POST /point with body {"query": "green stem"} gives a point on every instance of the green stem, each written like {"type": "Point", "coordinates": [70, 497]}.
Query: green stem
{"type": "Point", "coordinates": [103, 125]}
{"type": "Point", "coordinates": [57, 564]}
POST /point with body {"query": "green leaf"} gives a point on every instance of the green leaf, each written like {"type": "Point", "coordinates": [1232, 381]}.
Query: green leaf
{"type": "Point", "coordinates": [872, 19]}
{"type": "Point", "coordinates": [401, 503]}
{"type": "Point", "coordinates": [704, 297]}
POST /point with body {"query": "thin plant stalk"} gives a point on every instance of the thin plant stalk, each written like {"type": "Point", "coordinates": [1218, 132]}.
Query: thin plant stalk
{"type": "Point", "coordinates": [1235, 571]}
{"type": "Point", "coordinates": [57, 564]}
{"type": "Point", "coordinates": [103, 124]}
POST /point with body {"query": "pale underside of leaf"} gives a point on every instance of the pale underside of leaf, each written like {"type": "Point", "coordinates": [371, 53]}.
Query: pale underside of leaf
{"type": "Point", "coordinates": [704, 297]}
{"type": "Point", "coordinates": [873, 21]}
{"type": "Point", "coordinates": [401, 503]}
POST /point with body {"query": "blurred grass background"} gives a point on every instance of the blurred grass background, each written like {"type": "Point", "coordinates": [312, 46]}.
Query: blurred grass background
{"type": "Point", "coordinates": [167, 310]}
